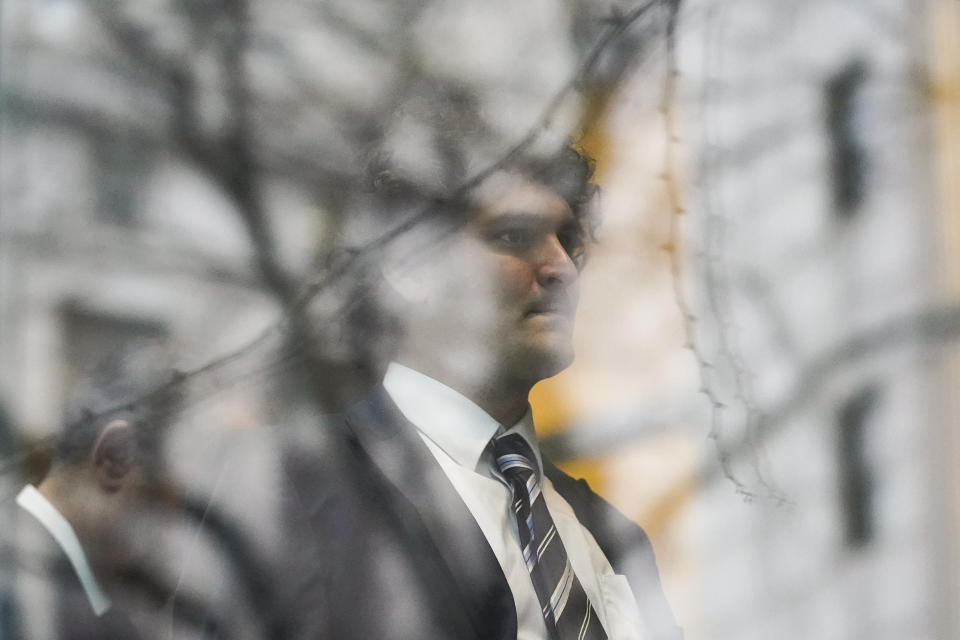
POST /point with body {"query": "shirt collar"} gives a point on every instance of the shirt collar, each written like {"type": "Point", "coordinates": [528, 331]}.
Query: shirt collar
{"type": "Point", "coordinates": [53, 521]}
{"type": "Point", "coordinates": [448, 418]}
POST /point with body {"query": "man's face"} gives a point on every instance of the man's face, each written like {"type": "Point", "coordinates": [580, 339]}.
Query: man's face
{"type": "Point", "coordinates": [499, 299]}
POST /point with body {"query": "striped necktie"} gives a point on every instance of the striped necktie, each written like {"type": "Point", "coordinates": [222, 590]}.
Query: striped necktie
{"type": "Point", "coordinates": [565, 607]}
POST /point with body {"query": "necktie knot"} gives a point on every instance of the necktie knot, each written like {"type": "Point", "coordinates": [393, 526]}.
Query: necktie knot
{"type": "Point", "coordinates": [513, 456]}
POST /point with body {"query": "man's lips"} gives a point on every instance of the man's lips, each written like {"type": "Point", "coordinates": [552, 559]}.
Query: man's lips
{"type": "Point", "coordinates": [552, 307]}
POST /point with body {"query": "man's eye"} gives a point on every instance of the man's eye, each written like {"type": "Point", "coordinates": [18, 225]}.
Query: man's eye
{"type": "Point", "coordinates": [515, 237]}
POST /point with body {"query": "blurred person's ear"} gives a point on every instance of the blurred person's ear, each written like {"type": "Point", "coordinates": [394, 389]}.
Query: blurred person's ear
{"type": "Point", "coordinates": [405, 283]}
{"type": "Point", "coordinates": [114, 455]}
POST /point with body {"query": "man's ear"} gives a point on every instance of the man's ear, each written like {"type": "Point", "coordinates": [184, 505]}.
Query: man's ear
{"type": "Point", "coordinates": [409, 265]}
{"type": "Point", "coordinates": [114, 455]}
{"type": "Point", "coordinates": [404, 284]}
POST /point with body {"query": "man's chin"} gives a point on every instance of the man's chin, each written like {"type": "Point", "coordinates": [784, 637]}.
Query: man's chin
{"type": "Point", "coordinates": [539, 362]}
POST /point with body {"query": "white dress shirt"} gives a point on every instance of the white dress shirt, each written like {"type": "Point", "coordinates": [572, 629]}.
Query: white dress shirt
{"type": "Point", "coordinates": [33, 502]}
{"type": "Point", "coordinates": [457, 432]}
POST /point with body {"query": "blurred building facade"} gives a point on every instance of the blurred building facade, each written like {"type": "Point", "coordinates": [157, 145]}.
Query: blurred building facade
{"type": "Point", "coordinates": [823, 264]}
{"type": "Point", "coordinates": [117, 250]}
{"type": "Point", "coordinates": [814, 452]}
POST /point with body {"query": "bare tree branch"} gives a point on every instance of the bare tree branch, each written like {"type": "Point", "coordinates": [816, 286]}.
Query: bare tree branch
{"type": "Point", "coordinates": [246, 198]}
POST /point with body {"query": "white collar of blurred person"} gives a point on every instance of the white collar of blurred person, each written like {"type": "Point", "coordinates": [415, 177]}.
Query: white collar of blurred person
{"type": "Point", "coordinates": [449, 419]}
{"type": "Point", "coordinates": [32, 501]}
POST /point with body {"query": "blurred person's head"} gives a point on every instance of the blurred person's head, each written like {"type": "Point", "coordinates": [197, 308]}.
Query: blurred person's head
{"type": "Point", "coordinates": [108, 469]}
{"type": "Point", "coordinates": [479, 291]}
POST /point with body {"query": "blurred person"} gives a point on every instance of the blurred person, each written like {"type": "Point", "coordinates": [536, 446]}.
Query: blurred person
{"type": "Point", "coordinates": [434, 513]}
{"type": "Point", "coordinates": [85, 555]}
{"type": "Point", "coordinates": [67, 533]}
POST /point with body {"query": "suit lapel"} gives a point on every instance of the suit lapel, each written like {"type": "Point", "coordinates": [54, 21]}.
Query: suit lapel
{"type": "Point", "coordinates": [54, 603]}
{"type": "Point", "coordinates": [588, 510]}
{"type": "Point", "coordinates": [625, 545]}
{"type": "Point", "coordinates": [440, 518]}
{"type": "Point", "coordinates": [31, 556]}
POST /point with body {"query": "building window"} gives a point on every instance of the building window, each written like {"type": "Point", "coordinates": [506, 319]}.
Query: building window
{"type": "Point", "coordinates": [848, 158]}
{"type": "Point", "coordinates": [102, 346]}
{"type": "Point", "coordinates": [854, 469]}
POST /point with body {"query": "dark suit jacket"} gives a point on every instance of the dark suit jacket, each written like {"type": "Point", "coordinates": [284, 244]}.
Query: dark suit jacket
{"type": "Point", "coordinates": [32, 563]}
{"type": "Point", "coordinates": [380, 545]}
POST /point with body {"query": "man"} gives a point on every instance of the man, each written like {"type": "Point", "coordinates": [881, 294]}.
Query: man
{"type": "Point", "coordinates": [63, 544]}
{"type": "Point", "coordinates": [84, 551]}
{"type": "Point", "coordinates": [432, 513]}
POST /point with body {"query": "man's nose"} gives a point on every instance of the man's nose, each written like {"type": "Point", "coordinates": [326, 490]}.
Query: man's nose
{"type": "Point", "coordinates": [555, 266]}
